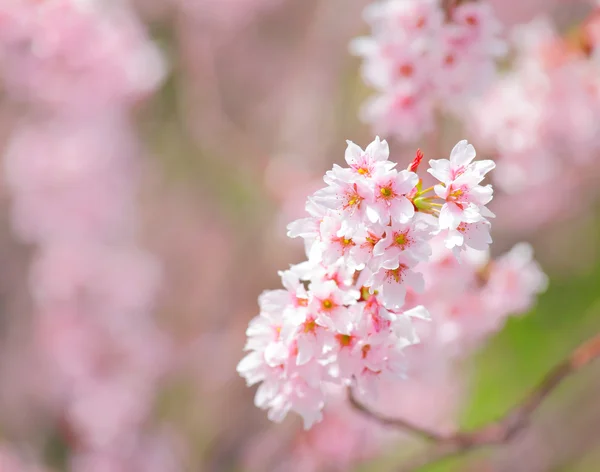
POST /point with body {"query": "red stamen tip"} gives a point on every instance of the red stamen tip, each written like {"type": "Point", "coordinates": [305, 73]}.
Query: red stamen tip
{"type": "Point", "coordinates": [416, 161]}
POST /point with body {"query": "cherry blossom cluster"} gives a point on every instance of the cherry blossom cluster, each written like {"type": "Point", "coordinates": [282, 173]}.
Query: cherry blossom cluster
{"type": "Point", "coordinates": [422, 57]}
{"type": "Point", "coordinates": [468, 301]}
{"type": "Point", "coordinates": [342, 317]}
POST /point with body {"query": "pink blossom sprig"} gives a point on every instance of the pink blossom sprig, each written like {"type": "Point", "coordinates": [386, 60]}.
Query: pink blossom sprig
{"type": "Point", "coordinates": [469, 301]}
{"type": "Point", "coordinates": [342, 317]}
{"type": "Point", "coordinates": [421, 58]}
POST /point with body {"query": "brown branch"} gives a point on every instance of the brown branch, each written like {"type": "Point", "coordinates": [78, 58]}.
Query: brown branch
{"type": "Point", "coordinates": [394, 422]}
{"type": "Point", "coordinates": [497, 432]}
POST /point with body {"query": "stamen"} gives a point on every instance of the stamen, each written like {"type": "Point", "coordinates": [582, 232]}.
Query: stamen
{"type": "Point", "coordinates": [327, 304]}
{"type": "Point", "coordinates": [386, 191]}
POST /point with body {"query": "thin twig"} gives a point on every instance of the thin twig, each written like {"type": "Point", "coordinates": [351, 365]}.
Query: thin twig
{"type": "Point", "coordinates": [497, 432]}
{"type": "Point", "coordinates": [394, 422]}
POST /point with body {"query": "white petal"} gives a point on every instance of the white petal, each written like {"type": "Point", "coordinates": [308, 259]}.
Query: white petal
{"type": "Point", "coordinates": [462, 154]}
{"type": "Point", "coordinates": [353, 153]}
{"type": "Point", "coordinates": [483, 167]}
{"type": "Point", "coordinates": [378, 150]}
{"type": "Point", "coordinates": [402, 210]}
{"type": "Point", "coordinates": [306, 349]}
{"type": "Point", "coordinates": [394, 294]}
{"type": "Point", "coordinates": [406, 181]}
{"type": "Point", "coordinates": [277, 415]}
{"type": "Point", "coordinates": [303, 227]}
{"type": "Point", "coordinates": [265, 393]}
{"type": "Point", "coordinates": [454, 239]}
{"type": "Point", "coordinates": [418, 312]}
{"type": "Point", "coordinates": [372, 214]}
{"type": "Point", "coordinates": [449, 216]}
{"type": "Point", "coordinates": [440, 169]}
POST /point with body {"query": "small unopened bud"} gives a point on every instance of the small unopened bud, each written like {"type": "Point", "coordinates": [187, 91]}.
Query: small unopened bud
{"type": "Point", "coordinates": [413, 166]}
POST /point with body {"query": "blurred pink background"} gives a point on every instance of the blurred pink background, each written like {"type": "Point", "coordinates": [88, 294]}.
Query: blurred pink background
{"type": "Point", "coordinates": [153, 154]}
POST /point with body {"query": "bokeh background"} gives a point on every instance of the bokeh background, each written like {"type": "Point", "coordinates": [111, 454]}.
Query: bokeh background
{"type": "Point", "coordinates": [251, 103]}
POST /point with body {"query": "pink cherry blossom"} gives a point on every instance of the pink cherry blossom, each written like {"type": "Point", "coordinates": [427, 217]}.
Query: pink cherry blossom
{"type": "Point", "coordinates": [474, 235]}
{"type": "Point", "coordinates": [403, 111]}
{"type": "Point", "coordinates": [464, 198]}
{"type": "Point", "coordinates": [390, 201]}
{"type": "Point", "coordinates": [374, 157]}
{"type": "Point", "coordinates": [334, 245]}
{"type": "Point", "coordinates": [392, 279]}
{"type": "Point", "coordinates": [330, 303]}
{"type": "Point", "coordinates": [410, 240]}
{"type": "Point", "coordinates": [347, 197]}
{"type": "Point", "coordinates": [460, 164]}
{"type": "Point", "coordinates": [514, 281]}
{"type": "Point", "coordinates": [365, 242]}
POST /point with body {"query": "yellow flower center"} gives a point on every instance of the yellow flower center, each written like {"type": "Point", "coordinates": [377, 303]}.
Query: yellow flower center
{"type": "Point", "coordinates": [327, 304]}
{"type": "Point", "coordinates": [386, 191]}
{"type": "Point", "coordinates": [396, 274]}
{"type": "Point", "coordinates": [353, 201]}
{"type": "Point", "coordinates": [400, 239]}
{"type": "Point", "coordinates": [310, 326]}
{"type": "Point", "coordinates": [347, 242]}
{"type": "Point", "coordinates": [344, 339]}
{"type": "Point", "coordinates": [456, 193]}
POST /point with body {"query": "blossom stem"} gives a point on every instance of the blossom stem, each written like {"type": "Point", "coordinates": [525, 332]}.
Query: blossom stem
{"type": "Point", "coordinates": [427, 190]}
{"type": "Point", "coordinates": [433, 197]}
{"type": "Point", "coordinates": [395, 422]}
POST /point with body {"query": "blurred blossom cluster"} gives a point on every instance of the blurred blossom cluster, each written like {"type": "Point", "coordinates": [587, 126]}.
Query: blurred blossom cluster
{"type": "Point", "coordinates": [424, 58]}
{"type": "Point", "coordinates": [540, 118]}
{"type": "Point", "coordinates": [71, 167]}
{"type": "Point", "coordinates": [153, 152]}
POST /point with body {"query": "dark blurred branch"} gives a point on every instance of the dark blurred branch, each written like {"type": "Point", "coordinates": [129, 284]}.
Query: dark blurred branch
{"type": "Point", "coordinates": [394, 422]}
{"type": "Point", "coordinates": [497, 432]}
